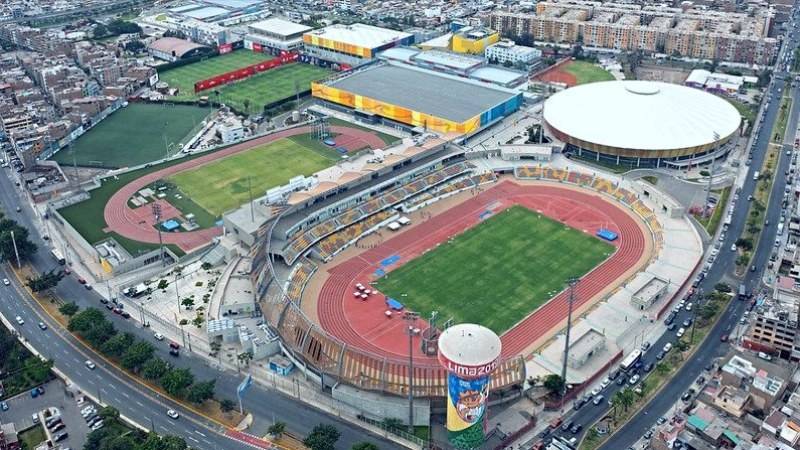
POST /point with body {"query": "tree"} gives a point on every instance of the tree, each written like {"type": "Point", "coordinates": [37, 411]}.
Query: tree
{"type": "Point", "coordinates": [68, 309]}
{"type": "Point", "coordinates": [708, 311]}
{"type": "Point", "coordinates": [364, 446]}
{"type": "Point", "coordinates": [322, 437]}
{"type": "Point", "coordinates": [745, 244]}
{"type": "Point", "coordinates": [662, 368]}
{"type": "Point", "coordinates": [244, 357]}
{"type": "Point", "coordinates": [628, 398]}
{"type": "Point", "coordinates": [175, 33]}
{"type": "Point", "coordinates": [227, 405]}
{"type": "Point", "coordinates": [92, 325]}
{"type": "Point", "coordinates": [109, 414]}
{"type": "Point", "coordinates": [25, 247]}
{"type": "Point", "coordinates": [276, 429]}
{"type": "Point", "coordinates": [723, 287]}
{"type": "Point", "coordinates": [246, 103]}
{"type": "Point", "coordinates": [617, 402]}
{"type": "Point", "coordinates": [100, 31]}
{"type": "Point", "coordinates": [681, 345]}
{"type": "Point", "coordinates": [174, 443]}
{"type": "Point", "coordinates": [135, 46]}
{"type": "Point", "coordinates": [554, 383]}
{"type": "Point", "coordinates": [187, 302]}
{"type": "Point", "coordinates": [45, 281]}
{"type": "Point", "coordinates": [136, 355]}
{"type": "Point", "coordinates": [200, 392]}
{"type": "Point", "coordinates": [117, 345]}
{"type": "Point", "coordinates": [215, 346]}
{"type": "Point", "coordinates": [176, 381]}
{"type": "Point", "coordinates": [155, 368]}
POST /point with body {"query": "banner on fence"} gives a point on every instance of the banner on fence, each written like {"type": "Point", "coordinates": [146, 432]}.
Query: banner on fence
{"type": "Point", "coordinates": [225, 48]}
{"type": "Point", "coordinates": [239, 74]}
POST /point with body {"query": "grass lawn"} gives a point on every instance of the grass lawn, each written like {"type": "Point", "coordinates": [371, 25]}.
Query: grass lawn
{"type": "Point", "coordinates": [185, 77]}
{"type": "Point", "coordinates": [133, 135]}
{"type": "Point", "coordinates": [497, 272]}
{"type": "Point", "coordinates": [32, 437]}
{"type": "Point", "coordinates": [586, 72]}
{"type": "Point", "coordinates": [223, 185]}
{"type": "Point", "coordinates": [270, 86]}
{"type": "Point", "coordinates": [748, 112]}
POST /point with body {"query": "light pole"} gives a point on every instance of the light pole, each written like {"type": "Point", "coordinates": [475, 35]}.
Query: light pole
{"type": "Point", "coordinates": [570, 300]}
{"type": "Point", "coordinates": [411, 319]}
{"type": "Point", "coordinates": [16, 252]}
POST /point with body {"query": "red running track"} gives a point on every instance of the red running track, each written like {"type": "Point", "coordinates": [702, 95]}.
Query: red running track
{"type": "Point", "coordinates": [363, 324]}
{"type": "Point", "coordinates": [124, 220]}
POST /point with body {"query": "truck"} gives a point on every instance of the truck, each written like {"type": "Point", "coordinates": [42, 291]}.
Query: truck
{"type": "Point", "coordinates": [742, 292]}
{"type": "Point", "coordinates": [756, 175]}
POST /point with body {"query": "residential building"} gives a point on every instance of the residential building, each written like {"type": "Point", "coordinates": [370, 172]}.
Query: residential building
{"type": "Point", "coordinates": [8, 437]}
{"type": "Point", "coordinates": [507, 52]}
{"type": "Point", "coordinates": [774, 324]}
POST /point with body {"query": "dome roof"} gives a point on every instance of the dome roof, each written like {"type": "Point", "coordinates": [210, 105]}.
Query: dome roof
{"type": "Point", "coordinates": [641, 115]}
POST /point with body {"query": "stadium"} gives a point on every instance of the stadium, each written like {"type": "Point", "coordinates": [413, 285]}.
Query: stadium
{"type": "Point", "coordinates": [642, 123]}
{"type": "Point", "coordinates": [414, 97]}
{"type": "Point", "coordinates": [343, 264]}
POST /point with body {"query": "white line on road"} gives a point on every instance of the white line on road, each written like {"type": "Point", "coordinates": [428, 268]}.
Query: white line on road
{"type": "Point", "coordinates": [193, 439]}
{"type": "Point", "coordinates": [198, 432]}
{"type": "Point", "coordinates": [125, 395]}
{"type": "Point", "coordinates": [139, 403]}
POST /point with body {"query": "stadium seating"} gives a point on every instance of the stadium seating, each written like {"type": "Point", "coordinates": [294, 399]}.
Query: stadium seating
{"type": "Point", "coordinates": [298, 279]}
{"type": "Point", "coordinates": [330, 245]}
{"type": "Point", "coordinates": [603, 185]}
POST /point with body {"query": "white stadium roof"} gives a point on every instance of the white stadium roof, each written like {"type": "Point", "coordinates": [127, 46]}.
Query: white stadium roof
{"type": "Point", "coordinates": [641, 115]}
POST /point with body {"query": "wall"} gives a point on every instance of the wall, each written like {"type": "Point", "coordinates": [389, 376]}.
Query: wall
{"type": "Point", "coordinates": [379, 407]}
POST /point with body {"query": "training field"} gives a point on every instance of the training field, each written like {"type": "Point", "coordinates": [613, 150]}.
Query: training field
{"type": "Point", "coordinates": [586, 72]}
{"type": "Point", "coordinates": [497, 272]}
{"type": "Point", "coordinates": [133, 135]}
{"type": "Point", "coordinates": [223, 185]}
{"type": "Point", "coordinates": [185, 77]}
{"type": "Point", "coordinates": [270, 86]}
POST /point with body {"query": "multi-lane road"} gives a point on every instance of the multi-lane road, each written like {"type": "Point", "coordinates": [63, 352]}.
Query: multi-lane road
{"type": "Point", "coordinates": [120, 391]}
{"type": "Point", "coordinates": [721, 270]}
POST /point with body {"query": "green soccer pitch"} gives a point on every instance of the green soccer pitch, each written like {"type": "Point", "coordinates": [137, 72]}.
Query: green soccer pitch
{"type": "Point", "coordinates": [586, 72]}
{"type": "Point", "coordinates": [497, 272]}
{"type": "Point", "coordinates": [223, 185]}
{"type": "Point", "coordinates": [185, 77]}
{"type": "Point", "coordinates": [137, 134]}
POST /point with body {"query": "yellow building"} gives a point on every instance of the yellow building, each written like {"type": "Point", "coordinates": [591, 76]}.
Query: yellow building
{"type": "Point", "coordinates": [474, 40]}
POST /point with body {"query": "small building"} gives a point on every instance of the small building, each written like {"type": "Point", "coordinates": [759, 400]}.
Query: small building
{"type": "Point", "coordinates": [280, 365]}
{"type": "Point", "coordinates": [275, 35]}
{"type": "Point", "coordinates": [584, 347]}
{"type": "Point", "coordinates": [507, 52]}
{"type": "Point", "coordinates": [8, 437]}
{"type": "Point", "coordinates": [474, 40]}
{"type": "Point", "coordinates": [230, 132]}
{"type": "Point", "coordinates": [530, 152]}
{"type": "Point", "coordinates": [174, 49]}
{"type": "Point", "coordinates": [224, 329]}
{"type": "Point", "coordinates": [719, 83]}
{"type": "Point", "coordinates": [650, 293]}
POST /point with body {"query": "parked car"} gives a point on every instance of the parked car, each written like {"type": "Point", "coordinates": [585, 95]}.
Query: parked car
{"type": "Point", "coordinates": [3, 406]}
{"type": "Point", "coordinates": [90, 365]}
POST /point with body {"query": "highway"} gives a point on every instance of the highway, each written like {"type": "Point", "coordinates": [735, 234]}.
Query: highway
{"type": "Point", "coordinates": [118, 389]}
{"type": "Point", "coordinates": [721, 271]}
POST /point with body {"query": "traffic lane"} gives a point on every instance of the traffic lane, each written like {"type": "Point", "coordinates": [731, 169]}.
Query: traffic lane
{"type": "Point", "coordinates": [102, 382]}
{"type": "Point", "coordinates": [642, 422]}
{"type": "Point", "coordinates": [266, 404]}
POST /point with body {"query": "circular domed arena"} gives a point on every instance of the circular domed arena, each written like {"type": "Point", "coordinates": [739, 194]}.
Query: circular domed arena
{"type": "Point", "coordinates": [642, 123]}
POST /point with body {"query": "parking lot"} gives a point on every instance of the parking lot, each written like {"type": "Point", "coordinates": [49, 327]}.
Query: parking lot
{"type": "Point", "coordinates": [23, 407]}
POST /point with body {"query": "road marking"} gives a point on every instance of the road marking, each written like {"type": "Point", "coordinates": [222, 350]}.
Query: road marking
{"type": "Point", "coordinates": [125, 395]}
{"type": "Point", "coordinates": [193, 439]}
{"type": "Point", "coordinates": [139, 403]}
{"type": "Point", "coordinates": [198, 432]}
{"type": "Point", "coordinates": [90, 381]}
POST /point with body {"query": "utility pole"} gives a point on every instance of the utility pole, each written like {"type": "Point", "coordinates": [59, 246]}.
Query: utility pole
{"type": "Point", "coordinates": [157, 215]}
{"type": "Point", "coordinates": [710, 180]}
{"type": "Point", "coordinates": [570, 300]}
{"type": "Point", "coordinates": [411, 319]}
{"type": "Point", "coordinates": [250, 191]}
{"type": "Point", "coordinates": [16, 252]}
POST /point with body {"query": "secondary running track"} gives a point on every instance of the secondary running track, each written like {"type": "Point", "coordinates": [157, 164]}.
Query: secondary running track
{"type": "Point", "coordinates": [363, 324]}
{"type": "Point", "coordinates": [125, 221]}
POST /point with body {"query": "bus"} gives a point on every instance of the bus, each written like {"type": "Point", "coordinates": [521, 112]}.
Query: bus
{"type": "Point", "coordinates": [58, 256]}
{"type": "Point", "coordinates": [630, 361]}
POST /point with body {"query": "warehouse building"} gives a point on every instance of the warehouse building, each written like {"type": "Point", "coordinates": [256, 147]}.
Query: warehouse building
{"type": "Point", "coordinates": [415, 97]}
{"type": "Point", "coordinates": [274, 35]}
{"type": "Point", "coordinates": [351, 45]}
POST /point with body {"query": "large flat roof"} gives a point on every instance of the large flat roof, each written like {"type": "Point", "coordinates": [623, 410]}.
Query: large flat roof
{"type": "Point", "coordinates": [641, 115]}
{"type": "Point", "coordinates": [423, 91]}
{"type": "Point", "coordinates": [280, 27]}
{"type": "Point", "coordinates": [360, 35]}
{"type": "Point", "coordinates": [450, 60]}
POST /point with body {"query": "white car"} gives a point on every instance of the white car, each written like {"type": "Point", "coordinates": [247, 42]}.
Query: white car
{"type": "Point", "coordinates": [605, 383]}
{"type": "Point", "coordinates": [596, 391]}
{"type": "Point", "coordinates": [90, 365]}
{"type": "Point", "coordinates": [19, 320]}
{"type": "Point", "coordinates": [667, 347]}
{"type": "Point", "coordinates": [158, 336]}
{"type": "Point", "coordinates": [6, 282]}
{"type": "Point", "coordinates": [689, 306]}
{"type": "Point", "coordinates": [634, 379]}
{"type": "Point", "coordinates": [172, 414]}
{"type": "Point", "coordinates": [680, 332]}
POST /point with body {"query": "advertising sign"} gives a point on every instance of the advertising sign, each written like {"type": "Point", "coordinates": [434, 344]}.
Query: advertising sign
{"type": "Point", "coordinates": [466, 410]}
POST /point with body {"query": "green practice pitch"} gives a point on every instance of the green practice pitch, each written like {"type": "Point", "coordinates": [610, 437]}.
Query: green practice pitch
{"type": "Point", "coordinates": [270, 86]}
{"type": "Point", "coordinates": [133, 135]}
{"type": "Point", "coordinates": [223, 185]}
{"type": "Point", "coordinates": [185, 77]}
{"type": "Point", "coordinates": [497, 272]}
{"type": "Point", "coordinates": [586, 72]}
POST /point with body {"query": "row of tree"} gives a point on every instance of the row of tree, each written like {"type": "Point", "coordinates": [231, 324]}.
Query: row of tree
{"type": "Point", "coordinates": [324, 437]}
{"type": "Point", "coordinates": [136, 355]}
{"type": "Point", "coordinates": [115, 436]}
{"type": "Point", "coordinates": [115, 28]}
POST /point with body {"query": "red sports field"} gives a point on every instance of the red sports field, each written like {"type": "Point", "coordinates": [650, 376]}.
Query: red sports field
{"type": "Point", "coordinates": [363, 324]}
{"type": "Point", "coordinates": [127, 222]}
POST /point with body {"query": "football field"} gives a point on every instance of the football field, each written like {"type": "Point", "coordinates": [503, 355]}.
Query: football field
{"type": "Point", "coordinates": [137, 134]}
{"type": "Point", "coordinates": [226, 184]}
{"type": "Point", "coordinates": [270, 86]}
{"type": "Point", "coordinates": [497, 272]}
{"type": "Point", "coordinates": [185, 77]}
